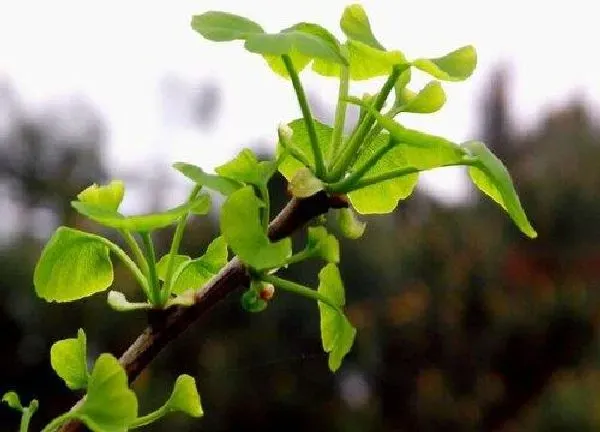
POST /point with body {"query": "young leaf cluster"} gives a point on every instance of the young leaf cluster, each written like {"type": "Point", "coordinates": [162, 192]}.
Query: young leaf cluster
{"type": "Point", "coordinates": [109, 405]}
{"type": "Point", "coordinates": [378, 163]}
{"type": "Point", "coordinates": [76, 264]}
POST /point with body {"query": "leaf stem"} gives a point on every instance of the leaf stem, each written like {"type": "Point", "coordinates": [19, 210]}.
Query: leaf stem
{"type": "Point", "coordinates": [166, 291]}
{"type": "Point", "coordinates": [302, 290]}
{"type": "Point", "coordinates": [135, 249]}
{"type": "Point", "coordinates": [399, 172]}
{"type": "Point", "coordinates": [348, 139]}
{"type": "Point", "coordinates": [308, 119]}
{"type": "Point", "coordinates": [27, 414]}
{"type": "Point", "coordinates": [340, 114]}
{"type": "Point", "coordinates": [377, 128]}
{"type": "Point", "coordinates": [154, 291]}
{"type": "Point", "coordinates": [357, 174]}
{"type": "Point", "coordinates": [130, 264]}
{"type": "Point", "coordinates": [351, 149]}
{"type": "Point", "coordinates": [149, 418]}
{"type": "Point", "coordinates": [266, 210]}
{"type": "Point", "coordinates": [300, 256]}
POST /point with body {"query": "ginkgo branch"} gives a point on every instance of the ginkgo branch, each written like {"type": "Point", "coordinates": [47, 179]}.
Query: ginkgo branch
{"type": "Point", "coordinates": [166, 325]}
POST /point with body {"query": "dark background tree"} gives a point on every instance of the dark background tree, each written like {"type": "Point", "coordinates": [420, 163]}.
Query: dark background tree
{"type": "Point", "coordinates": [462, 323]}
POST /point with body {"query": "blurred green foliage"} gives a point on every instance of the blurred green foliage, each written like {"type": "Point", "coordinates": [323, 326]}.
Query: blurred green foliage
{"type": "Point", "coordinates": [463, 324]}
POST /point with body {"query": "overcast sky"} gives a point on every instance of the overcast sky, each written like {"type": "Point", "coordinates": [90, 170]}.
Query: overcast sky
{"type": "Point", "coordinates": [116, 52]}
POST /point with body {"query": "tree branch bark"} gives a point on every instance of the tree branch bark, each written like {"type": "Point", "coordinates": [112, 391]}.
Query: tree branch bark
{"type": "Point", "coordinates": [165, 325]}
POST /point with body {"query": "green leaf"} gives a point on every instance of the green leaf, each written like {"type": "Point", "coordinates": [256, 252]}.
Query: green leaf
{"type": "Point", "coordinates": [242, 229]}
{"type": "Point", "coordinates": [323, 244]}
{"type": "Point", "coordinates": [216, 255]}
{"type": "Point", "coordinates": [491, 177]}
{"type": "Point", "coordinates": [337, 334]}
{"type": "Point", "coordinates": [195, 273]}
{"type": "Point", "coordinates": [223, 26]}
{"type": "Point", "coordinates": [455, 66]}
{"type": "Point", "coordinates": [109, 404]}
{"type": "Point", "coordinates": [163, 263]}
{"type": "Point", "coordinates": [68, 358]}
{"type": "Point", "coordinates": [350, 226]}
{"type": "Point", "coordinates": [107, 197]}
{"type": "Point", "coordinates": [185, 397]}
{"type": "Point", "coordinates": [73, 265]}
{"type": "Point", "coordinates": [12, 400]}
{"type": "Point", "coordinates": [119, 302]}
{"type": "Point", "coordinates": [301, 141]}
{"type": "Point", "coordinates": [365, 62]}
{"type": "Point", "coordinates": [246, 168]}
{"type": "Point", "coordinates": [302, 42]}
{"type": "Point", "coordinates": [308, 39]}
{"type": "Point", "coordinates": [430, 99]}
{"type": "Point", "coordinates": [355, 24]}
{"type": "Point", "coordinates": [317, 42]}
{"type": "Point", "coordinates": [305, 184]}
{"type": "Point", "coordinates": [143, 223]}
{"type": "Point", "coordinates": [224, 186]}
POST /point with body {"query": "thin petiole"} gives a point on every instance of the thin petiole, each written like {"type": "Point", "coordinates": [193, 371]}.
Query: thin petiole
{"type": "Point", "coordinates": [135, 249]}
{"type": "Point", "coordinates": [130, 264]}
{"type": "Point", "coordinates": [152, 274]}
{"type": "Point", "coordinates": [345, 143]}
{"type": "Point", "coordinates": [266, 210]}
{"type": "Point", "coordinates": [353, 146]}
{"type": "Point", "coordinates": [308, 119]}
{"type": "Point", "coordinates": [357, 174]}
{"type": "Point", "coordinates": [340, 115]}
{"type": "Point", "coordinates": [175, 247]}
{"type": "Point", "coordinates": [27, 414]}
{"type": "Point", "coordinates": [302, 290]}
{"type": "Point", "coordinates": [149, 418]}
{"type": "Point", "coordinates": [377, 128]}
{"type": "Point", "coordinates": [300, 256]}
{"type": "Point", "coordinates": [399, 172]}
{"type": "Point", "coordinates": [364, 182]}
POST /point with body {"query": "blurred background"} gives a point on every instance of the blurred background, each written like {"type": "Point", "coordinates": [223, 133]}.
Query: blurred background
{"type": "Point", "coordinates": [463, 323]}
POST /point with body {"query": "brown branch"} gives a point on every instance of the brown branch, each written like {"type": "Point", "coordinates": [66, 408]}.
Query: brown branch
{"type": "Point", "coordinates": [166, 325]}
